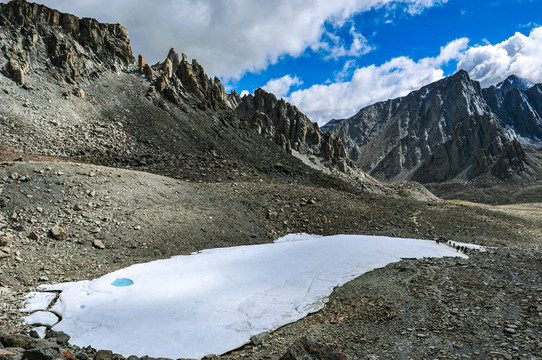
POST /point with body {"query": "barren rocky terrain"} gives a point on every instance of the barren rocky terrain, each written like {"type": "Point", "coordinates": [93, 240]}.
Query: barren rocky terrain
{"type": "Point", "coordinates": [445, 308]}
{"type": "Point", "coordinates": [107, 162]}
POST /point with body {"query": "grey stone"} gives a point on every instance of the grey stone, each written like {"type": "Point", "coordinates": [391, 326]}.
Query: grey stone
{"type": "Point", "coordinates": [259, 338]}
{"type": "Point", "coordinates": [38, 354]}
{"type": "Point", "coordinates": [6, 354]}
{"type": "Point", "coordinates": [304, 349]}
{"type": "Point", "coordinates": [61, 337]}
{"type": "Point", "coordinates": [509, 330]}
{"type": "Point", "coordinates": [81, 356]}
{"type": "Point", "coordinates": [98, 244]}
{"type": "Point", "coordinates": [58, 233]}
{"type": "Point", "coordinates": [4, 240]}
{"type": "Point", "coordinates": [141, 63]}
{"type": "Point", "coordinates": [80, 93]}
{"type": "Point", "coordinates": [104, 355]}
{"type": "Point", "coordinates": [147, 70]}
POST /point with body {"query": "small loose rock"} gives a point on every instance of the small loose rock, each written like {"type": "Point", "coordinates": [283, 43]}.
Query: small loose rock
{"type": "Point", "coordinates": [58, 233]}
{"type": "Point", "coordinates": [98, 244]}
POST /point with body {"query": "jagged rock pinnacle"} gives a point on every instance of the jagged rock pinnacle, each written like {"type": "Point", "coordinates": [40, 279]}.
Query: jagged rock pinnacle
{"type": "Point", "coordinates": [288, 127]}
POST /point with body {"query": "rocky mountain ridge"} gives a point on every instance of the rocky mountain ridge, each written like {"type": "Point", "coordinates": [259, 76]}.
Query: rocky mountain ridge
{"type": "Point", "coordinates": [68, 56]}
{"type": "Point", "coordinates": [450, 129]}
{"type": "Point", "coordinates": [517, 103]}
{"type": "Point", "coordinates": [288, 127]}
{"type": "Point", "coordinates": [262, 112]}
{"type": "Point", "coordinates": [75, 90]}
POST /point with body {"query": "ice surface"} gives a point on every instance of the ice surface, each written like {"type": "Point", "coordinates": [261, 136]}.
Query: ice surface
{"type": "Point", "coordinates": [215, 300]}
{"type": "Point", "coordinates": [38, 301]}
{"type": "Point", "coordinates": [45, 318]}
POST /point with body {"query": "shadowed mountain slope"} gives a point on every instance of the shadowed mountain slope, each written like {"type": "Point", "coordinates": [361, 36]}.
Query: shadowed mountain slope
{"type": "Point", "coordinates": [450, 129]}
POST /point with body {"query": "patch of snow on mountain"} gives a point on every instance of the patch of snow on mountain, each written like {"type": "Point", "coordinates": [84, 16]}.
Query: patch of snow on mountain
{"type": "Point", "coordinates": [44, 318]}
{"type": "Point", "coordinates": [427, 91]}
{"type": "Point", "coordinates": [511, 134]}
{"type": "Point", "coordinates": [514, 81]}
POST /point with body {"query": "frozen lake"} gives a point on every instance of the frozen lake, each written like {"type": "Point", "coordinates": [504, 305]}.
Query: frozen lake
{"type": "Point", "coordinates": [213, 301]}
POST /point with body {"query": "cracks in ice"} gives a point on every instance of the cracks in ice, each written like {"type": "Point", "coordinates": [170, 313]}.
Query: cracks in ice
{"type": "Point", "coordinates": [42, 316]}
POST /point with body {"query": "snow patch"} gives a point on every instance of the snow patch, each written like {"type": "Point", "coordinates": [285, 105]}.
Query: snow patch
{"type": "Point", "coordinates": [511, 134]}
{"type": "Point", "coordinates": [296, 237]}
{"type": "Point", "coordinates": [215, 300]}
{"type": "Point", "coordinates": [427, 91]}
{"type": "Point", "coordinates": [44, 318]}
{"type": "Point", "coordinates": [38, 301]}
{"type": "Point", "coordinates": [41, 331]}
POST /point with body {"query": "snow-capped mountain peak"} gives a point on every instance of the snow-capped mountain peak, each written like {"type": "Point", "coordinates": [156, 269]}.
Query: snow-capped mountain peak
{"type": "Point", "coordinates": [513, 82]}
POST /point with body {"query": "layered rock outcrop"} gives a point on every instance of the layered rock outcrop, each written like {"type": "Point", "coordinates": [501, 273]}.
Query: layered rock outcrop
{"type": "Point", "coordinates": [182, 82]}
{"type": "Point", "coordinates": [177, 79]}
{"type": "Point", "coordinates": [476, 146]}
{"type": "Point", "coordinates": [44, 43]}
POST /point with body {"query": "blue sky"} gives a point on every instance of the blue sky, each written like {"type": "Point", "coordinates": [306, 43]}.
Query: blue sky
{"type": "Point", "coordinates": [392, 34]}
{"type": "Point", "coordinates": [330, 58]}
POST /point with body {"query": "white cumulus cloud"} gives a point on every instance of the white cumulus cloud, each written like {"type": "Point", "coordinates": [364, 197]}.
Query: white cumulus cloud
{"type": "Point", "coordinates": [371, 84]}
{"type": "Point", "coordinates": [335, 47]}
{"type": "Point", "coordinates": [520, 55]}
{"type": "Point", "coordinates": [281, 86]}
{"type": "Point", "coordinates": [230, 38]}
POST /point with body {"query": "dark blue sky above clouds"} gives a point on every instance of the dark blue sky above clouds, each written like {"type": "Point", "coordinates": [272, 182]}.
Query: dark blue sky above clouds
{"type": "Point", "coordinates": [330, 58]}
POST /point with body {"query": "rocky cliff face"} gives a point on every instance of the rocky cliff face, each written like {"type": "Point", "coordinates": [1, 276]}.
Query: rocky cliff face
{"type": "Point", "coordinates": [34, 36]}
{"type": "Point", "coordinates": [473, 148]}
{"type": "Point", "coordinates": [288, 127]}
{"type": "Point", "coordinates": [449, 129]}
{"type": "Point", "coordinates": [518, 107]}
{"type": "Point", "coordinates": [180, 81]}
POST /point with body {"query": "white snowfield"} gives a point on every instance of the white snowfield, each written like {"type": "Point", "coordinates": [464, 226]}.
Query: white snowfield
{"type": "Point", "coordinates": [215, 300]}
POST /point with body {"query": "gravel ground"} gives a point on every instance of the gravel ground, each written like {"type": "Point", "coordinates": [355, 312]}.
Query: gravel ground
{"type": "Point", "coordinates": [485, 307]}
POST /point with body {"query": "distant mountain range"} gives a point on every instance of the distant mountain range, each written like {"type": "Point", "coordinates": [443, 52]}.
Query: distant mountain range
{"type": "Point", "coordinates": [450, 129]}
